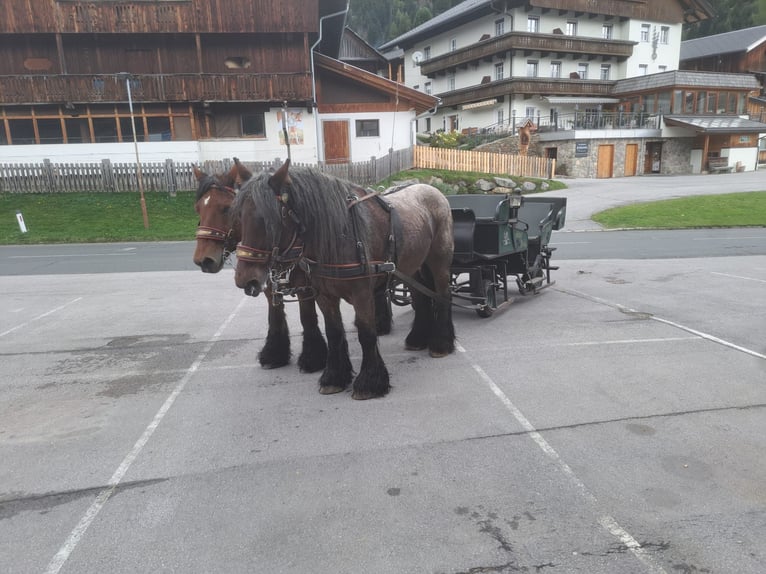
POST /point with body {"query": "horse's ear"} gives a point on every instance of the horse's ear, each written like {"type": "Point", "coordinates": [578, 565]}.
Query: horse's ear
{"type": "Point", "coordinates": [239, 170]}
{"type": "Point", "coordinates": [280, 178]}
{"type": "Point", "coordinates": [198, 173]}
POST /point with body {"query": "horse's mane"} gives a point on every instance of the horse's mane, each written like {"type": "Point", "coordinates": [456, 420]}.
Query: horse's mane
{"type": "Point", "coordinates": [321, 203]}
{"type": "Point", "coordinates": [206, 183]}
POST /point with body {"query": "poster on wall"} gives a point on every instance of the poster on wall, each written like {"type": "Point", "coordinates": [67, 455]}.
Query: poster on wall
{"type": "Point", "coordinates": [294, 123]}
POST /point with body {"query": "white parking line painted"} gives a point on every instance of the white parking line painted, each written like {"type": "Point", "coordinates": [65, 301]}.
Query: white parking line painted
{"type": "Point", "coordinates": [738, 277]}
{"type": "Point", "coordinates": [607, 522]}
{"type": "Point", "coordinates": [707, 336]}
{"type": "Point", "coordinates": [22, 325]}
{"type": "Point", "coordinates": [74, 537]}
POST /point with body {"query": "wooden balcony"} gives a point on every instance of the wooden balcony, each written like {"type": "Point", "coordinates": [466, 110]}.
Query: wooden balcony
{"type": "Point", "coordinates": [156, 88]}
{"type": "Point", "coordinates": [557, 44]}
{"type": "Point", "coordinates": [529, 87]}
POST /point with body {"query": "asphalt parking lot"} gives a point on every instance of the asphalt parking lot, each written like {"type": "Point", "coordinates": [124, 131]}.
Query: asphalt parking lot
{"type": "Point", "coordinates": [612, 424]}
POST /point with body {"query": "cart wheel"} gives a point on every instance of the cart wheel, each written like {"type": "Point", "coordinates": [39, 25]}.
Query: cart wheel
{"type": "Point", "coordinates": [489, 307]}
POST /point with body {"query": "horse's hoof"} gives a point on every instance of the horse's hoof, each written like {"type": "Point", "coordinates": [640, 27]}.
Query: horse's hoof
{"type": "Point", "coordinates": [364, 395]}
{"type": "Point", "coordinates": [438, 354]}
{"type": "Point", "coordinates": [330, 390]}
{"type": "Point", "coordinates": [409, 347]}
{"type": "Point", "coordinates": [269, 366]}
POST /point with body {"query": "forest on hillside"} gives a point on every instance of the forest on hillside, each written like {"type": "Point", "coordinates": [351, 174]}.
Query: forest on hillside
{"type": "Point", "coordinates": [378, 21]}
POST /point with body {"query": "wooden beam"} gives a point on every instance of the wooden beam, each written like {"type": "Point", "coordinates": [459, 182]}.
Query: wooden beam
{"type": "Point", "coordinates": [60, 50]}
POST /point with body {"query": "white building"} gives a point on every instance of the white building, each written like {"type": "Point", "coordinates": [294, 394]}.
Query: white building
{"type": "Point", "coordinates": [493, 61]}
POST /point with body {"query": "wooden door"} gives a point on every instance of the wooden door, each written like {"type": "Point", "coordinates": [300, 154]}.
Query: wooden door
{"type": "Point", "coordinates": [631, 159]}
{"type": "Point", "coordinates": [336, 149]}
{"type": "Point", "coordinates": [604, 168]}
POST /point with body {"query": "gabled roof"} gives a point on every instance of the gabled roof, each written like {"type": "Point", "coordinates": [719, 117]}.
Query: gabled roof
{"type": "Point", "coordinates": [443, 20]}
{"type": "Point", "coordinates": [686, 79]}
{"type": "Point", "coordinates": [335, 13]}
{"type": "Point", "coordinates": [419, 101]}
{"type": "Point", "coordinates": [726, 43]}
{"type": "Point", "coordinates": [717, 124]}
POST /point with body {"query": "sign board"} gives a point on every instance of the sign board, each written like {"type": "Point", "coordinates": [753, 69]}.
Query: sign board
{"type": "Point", "coordinates": [581, 149]}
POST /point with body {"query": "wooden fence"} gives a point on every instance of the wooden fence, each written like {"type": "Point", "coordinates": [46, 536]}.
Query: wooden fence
{"type": "Point", "coordinates": [170, 176]}
{"type": "Point", "coordinates": [485, 162]}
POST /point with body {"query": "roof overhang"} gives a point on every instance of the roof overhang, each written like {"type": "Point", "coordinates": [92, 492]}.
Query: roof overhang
{"type": "Point", "coordinates": [717, 124]}
{"type": "Point", "coordinates": [419, 101]}
{"type": "Point", "coordinates": [580, 100]}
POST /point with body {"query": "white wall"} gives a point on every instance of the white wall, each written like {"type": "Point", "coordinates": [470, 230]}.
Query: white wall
{"type": "Point", "coordinates": [395, 129]}
{"type": "Point", "coordinates": [748, 156]}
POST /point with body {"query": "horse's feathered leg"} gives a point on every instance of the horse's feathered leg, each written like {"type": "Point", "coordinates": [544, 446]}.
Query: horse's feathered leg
{"type": "Point", "coordinates": [372, 380]}
{"type": "Point", "coordinates": [383, 314]}
{"type": "Point", "coordinates": [313, 355]}
{"type": "Point", "coordinates": [441, 336]}
{"type": "Point", "coordinates": [276, 351]}
{"type": "Point", "coordinates": [417, 339]}
{"type": "Point", "coordinates": [337, 374]}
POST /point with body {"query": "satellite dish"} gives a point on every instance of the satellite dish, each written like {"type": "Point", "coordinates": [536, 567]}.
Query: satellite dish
{"type": "Point", "coordinates": [417, 56]}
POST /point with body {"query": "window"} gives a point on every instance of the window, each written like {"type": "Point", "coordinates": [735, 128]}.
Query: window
{"type": "Point", "coordinates": [451, 81]}
{"type": "Point", "coordinates": [529, 112]}
{"type": "Point", "coordinates": [533, 24]}
{"type": "Point", "coordinates": [254, 125]}
{"type": "Point", "coordinates": [237, 63]}
{"type": "Point", "coordinates": [688, 102]}
{"type": "Point", "coordinates": [643, 69]}
{"type": "Point", "coordinates": [662, 68]}
{"type": "Point", "coordinates": [428, 125]}
{"type": "Point", "coordinates": [367, 128]}
{"type": "Point", "coordinates": [50, 131]}
{"type": "Point", "coordinates": [453, 123]}
{"type": "Point", "coordinates": [555, 69]}
{"type": "Point", "coordinates": [427, 52]}
{"type": "Point", "coordinates": [453, 44]}
{"type": "Point", "coordinates": [582, 71]}
{"type": "Point", "coordinates": [712, 102]}
{"type": "Point", "coordinates": [701, 102]}
{"type": "Point", "coordinates": [427, 88]}
{"type": "Point", "coordinates": [644, 32]}
{"type": "Point", "coordinates": [532, 68]}
{"type": "Point", "coordinates": [605, 70]}
{"type": "Point", "coordinates": [500, 117]}
{"type": "Point", "coordinates": [499, 71]}
{"type": "Point", "coordinates": [500, 27]}
{"type": "Point", "coordinates": [571, 28]}
{"type": "Point", "coordinates": [159, 129]}
{"type": "Point", "coordinates": [664, 34]}
{"type": "Point", "coordinates": [606, 31]}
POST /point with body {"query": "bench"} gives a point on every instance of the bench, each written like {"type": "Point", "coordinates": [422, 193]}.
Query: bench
{"type": "Point", "coordinates": [719, 165]}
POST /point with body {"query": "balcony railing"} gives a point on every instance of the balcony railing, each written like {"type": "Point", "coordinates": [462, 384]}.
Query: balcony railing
{"type": "Point", "coordinates": [37, 89]}
{"type": "Point", "coordinates": [550, 43]}
{"type": "Point", "coordinates": [531, 86]}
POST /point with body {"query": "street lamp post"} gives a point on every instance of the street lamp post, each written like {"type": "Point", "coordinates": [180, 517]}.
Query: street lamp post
{"type": "Point", "coordinates": [139, 173]}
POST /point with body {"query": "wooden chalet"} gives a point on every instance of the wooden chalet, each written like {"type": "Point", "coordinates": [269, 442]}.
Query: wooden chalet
{"type": "Point", "coordinates": [193, 70]}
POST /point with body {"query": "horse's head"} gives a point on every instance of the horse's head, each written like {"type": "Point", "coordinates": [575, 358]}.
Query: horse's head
{"type": "Point", "coordinates": [268, 230]}
{"type": "Point", "coordinates": [216, 236]}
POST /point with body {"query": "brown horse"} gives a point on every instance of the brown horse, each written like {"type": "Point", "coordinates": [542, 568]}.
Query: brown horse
{"type": "Point", "coordinates": [348, 241]}
{"type": "Point", "coordinates": [217, 237]}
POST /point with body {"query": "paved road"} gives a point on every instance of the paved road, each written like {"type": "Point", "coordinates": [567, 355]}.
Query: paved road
{"type": "Point", "coordinates": [589, 196]}
{"type": "Point", "coordinates": [612, 424]}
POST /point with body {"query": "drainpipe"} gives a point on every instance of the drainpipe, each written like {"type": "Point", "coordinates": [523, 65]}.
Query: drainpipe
{"type": "Point", "coordinates": [320, 147]}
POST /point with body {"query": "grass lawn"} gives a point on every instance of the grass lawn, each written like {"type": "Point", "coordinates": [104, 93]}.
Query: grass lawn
{"type": "Point", "coordinates": [726, 210]}
{"type": "Point", "coordinates": [96, 217]}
